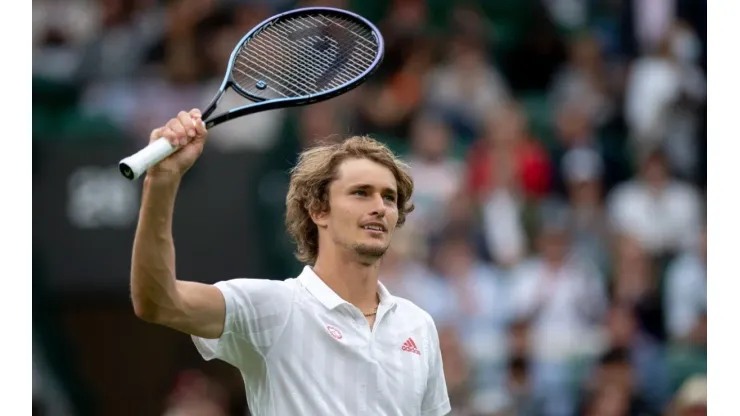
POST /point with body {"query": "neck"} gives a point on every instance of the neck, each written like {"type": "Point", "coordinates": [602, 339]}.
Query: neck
{"type": "Point", "coordinates": [355, 282]}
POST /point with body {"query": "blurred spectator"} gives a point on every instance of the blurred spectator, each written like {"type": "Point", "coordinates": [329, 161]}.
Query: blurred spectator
{"type": "Point", "coordinates": [645, 353]}
{"type": "Point", "coordinates": [556, 290]}
{"type": "Point", "coordinates": [508, 156]}
{"type": "Point", "coordinates": [504, 232]}
{"type": "Point", "coordinates": [686, 295]}
{"type": "Point", "coordinates": [645, 24]}
{"type": "Point", "coordinates": [506, 167]}
{"type": "Point", "coordinates": [574, 129]}
{"type": "Point", "coordinates": [130, 29]}
{"type": "Point", "coordinates": [394, 96]}
{"type": "Point", "coordinates": [583, 170]}
{"type": "Point", "coordinates": [476, 303]}
{"type": "Point", "coordinates": [584, 80]}
{"type": "Point", "coordinates": [563, 298]}
{"type": "Point", "coordinates": [663, 213]}
{"type": "Point", "coordinates": [521, 400]}
{"type": "Point", "coordinates": [467, 87]}
{"type": "Point", "coordinates": [635, 282]}
{"type": "Point", "coordinates": [437, 175]}
{"type": "Point", "coordinates": [612, 390]}
{"type": "Point", "coordinates": [663, 95]}
{"type": "Point", "coordinates": [58, 31]}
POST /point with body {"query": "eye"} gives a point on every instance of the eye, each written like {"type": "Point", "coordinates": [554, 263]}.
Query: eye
{"type": "Point", "coordinates": [390, 198]}
{"type": "Point", "coordinates": [359, 192]}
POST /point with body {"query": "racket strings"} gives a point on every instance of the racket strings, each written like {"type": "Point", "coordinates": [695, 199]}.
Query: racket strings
{"type": "Point", "coordinates": [320, 63]}
{"type": "Point", "coordinates": [304, 55]}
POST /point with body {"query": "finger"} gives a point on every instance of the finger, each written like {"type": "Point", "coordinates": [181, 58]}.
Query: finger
{"type": "Point", "coordinates": [187, 122]}
{"type": "Point", "coordinates": [180, 131]}
{"type": "Point", "coordinates": [156, 134]}
{"type": "Point", "coordinates": [195, 113]}
{"type": "Point", "coordinates": [200, 127]}
{"type": "Point", "coordinates": [170, 135]}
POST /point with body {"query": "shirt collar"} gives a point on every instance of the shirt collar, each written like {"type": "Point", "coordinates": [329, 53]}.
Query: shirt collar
{"type": "Point", "coordinates": [329, 297]}
{"type": "Point", "coordinates": [386, 299]}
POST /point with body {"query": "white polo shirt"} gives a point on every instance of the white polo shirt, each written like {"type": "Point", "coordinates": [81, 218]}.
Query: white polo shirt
{"type": "Point", "coordinates": [303, 350]}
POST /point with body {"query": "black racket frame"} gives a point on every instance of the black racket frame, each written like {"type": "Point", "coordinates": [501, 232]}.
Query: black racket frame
{"type": "Point", "coordinates": [263, 104]}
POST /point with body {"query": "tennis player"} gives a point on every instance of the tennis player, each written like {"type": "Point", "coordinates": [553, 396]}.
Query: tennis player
{"type": "Point", "coordinates": [332, 341]}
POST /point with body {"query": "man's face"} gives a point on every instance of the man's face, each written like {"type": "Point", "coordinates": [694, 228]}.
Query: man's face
{"type": "Point", "coordinates": [363, 210]}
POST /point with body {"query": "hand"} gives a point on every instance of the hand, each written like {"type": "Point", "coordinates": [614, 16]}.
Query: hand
{"type": "Point", "coordinates": [188, 132]}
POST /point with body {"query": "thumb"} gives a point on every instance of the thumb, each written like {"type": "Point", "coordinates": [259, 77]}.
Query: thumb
{"type": "Point", "coordinates": [200, 126]}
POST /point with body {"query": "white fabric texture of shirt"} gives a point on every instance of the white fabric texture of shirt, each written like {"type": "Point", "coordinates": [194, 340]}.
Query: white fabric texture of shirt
{"type": "Point", "coordinates": [302, 350]}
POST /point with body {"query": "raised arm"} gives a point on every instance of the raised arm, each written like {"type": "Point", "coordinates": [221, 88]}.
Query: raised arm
{"type": "Point", "coordinates": [158, 297]}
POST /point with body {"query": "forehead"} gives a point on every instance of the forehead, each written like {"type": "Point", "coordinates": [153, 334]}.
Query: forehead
{"type": "Point", "coordinates": [355, 172]}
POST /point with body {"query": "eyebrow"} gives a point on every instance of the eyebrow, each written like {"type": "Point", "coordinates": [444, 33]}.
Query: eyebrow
{"type": "Point", "coordinates": [385, 190]}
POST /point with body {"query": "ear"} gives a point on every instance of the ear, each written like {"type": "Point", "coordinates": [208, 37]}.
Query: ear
{"type": "Point", "coordinates": [321, 219]}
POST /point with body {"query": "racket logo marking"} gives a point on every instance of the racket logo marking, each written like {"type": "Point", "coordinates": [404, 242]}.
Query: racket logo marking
{"type": "Point", "coordinates": [328, 46]}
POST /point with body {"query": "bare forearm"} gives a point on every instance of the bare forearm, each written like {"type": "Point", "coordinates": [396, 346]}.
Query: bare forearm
{"type": "Point", "coordinates": [153, 260]}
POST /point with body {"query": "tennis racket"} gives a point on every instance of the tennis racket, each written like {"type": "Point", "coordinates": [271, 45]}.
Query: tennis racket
{"type": "Point", "coordinates": [295, 58]}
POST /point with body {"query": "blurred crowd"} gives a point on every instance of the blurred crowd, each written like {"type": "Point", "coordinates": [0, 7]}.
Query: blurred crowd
{"type": "Point", "coordinates": [559, 153]}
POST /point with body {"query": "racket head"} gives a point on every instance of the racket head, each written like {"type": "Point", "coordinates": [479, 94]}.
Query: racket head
{"type": "Point", "coordinates": [301, 57]}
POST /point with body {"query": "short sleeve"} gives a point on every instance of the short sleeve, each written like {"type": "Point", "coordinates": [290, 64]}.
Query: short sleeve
{"type": "Point", "coordinates": [257, 312]}
{"type": "Point", "coordinates": [436, 402]}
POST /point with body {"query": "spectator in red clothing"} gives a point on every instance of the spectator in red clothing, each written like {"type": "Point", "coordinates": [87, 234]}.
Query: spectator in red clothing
{"type": "Point", "coordinates": [509, 156]}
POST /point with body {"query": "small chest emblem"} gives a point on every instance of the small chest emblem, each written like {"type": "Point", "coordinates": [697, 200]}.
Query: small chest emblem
{"type": "Point", "coordinates": [333, 331]}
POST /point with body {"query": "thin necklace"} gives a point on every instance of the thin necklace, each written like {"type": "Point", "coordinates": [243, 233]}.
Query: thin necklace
{"type": "Point", "coordinates": [375, 311]}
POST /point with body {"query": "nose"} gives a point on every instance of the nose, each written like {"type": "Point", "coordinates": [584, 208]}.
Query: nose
{"type": "Point", "coordinates": [378, 207]}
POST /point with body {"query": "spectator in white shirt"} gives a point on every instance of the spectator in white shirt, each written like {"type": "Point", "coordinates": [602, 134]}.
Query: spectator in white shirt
{"type": "Point", "coordinates": [686, 296]}
{"type": "Point", "coordinates": [563, 298]}
{"type": "Point", "coordinates": [661, 212]}
{"type": "Point", "coordinates": [663, 94]}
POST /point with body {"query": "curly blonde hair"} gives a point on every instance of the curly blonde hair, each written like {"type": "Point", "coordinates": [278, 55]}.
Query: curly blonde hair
{"type": "Point", "coordinates": [316, 170]}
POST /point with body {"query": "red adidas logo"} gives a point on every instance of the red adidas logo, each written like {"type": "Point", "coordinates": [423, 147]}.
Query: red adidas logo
{"type": "Point", "coordinates": [410, 346]}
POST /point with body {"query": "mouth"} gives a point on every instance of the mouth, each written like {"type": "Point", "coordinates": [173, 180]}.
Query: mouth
{"type": "Point", "coordinates": [375, 227]}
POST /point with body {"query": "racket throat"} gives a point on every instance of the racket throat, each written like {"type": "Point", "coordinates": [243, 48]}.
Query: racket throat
{"type": "Point", "coordinates": [213, 105]}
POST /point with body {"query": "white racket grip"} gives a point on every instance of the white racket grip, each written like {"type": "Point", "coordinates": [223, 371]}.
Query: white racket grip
{"type": "Point", "coordinates": [135, 165]}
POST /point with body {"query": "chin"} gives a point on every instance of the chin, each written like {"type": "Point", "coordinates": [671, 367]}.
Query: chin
{"type": "Point", "coordinates": [371, 250]}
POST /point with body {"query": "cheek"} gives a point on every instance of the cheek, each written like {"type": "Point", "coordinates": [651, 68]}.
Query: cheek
{"type": "Point", "coordinates": [342, 216]}
{"type": "Point", "coordinates": [392, 216]}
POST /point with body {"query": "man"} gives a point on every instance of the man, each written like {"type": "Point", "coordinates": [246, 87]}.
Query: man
{"type": "Point", "coordinates": [332, 341]}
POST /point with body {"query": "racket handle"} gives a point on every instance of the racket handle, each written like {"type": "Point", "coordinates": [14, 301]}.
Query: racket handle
{"type": "Point", "coordinates": [135, 165]}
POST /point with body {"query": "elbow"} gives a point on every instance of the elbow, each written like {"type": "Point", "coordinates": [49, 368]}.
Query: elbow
{"type": "Point", "coordinates": [146, 311]}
